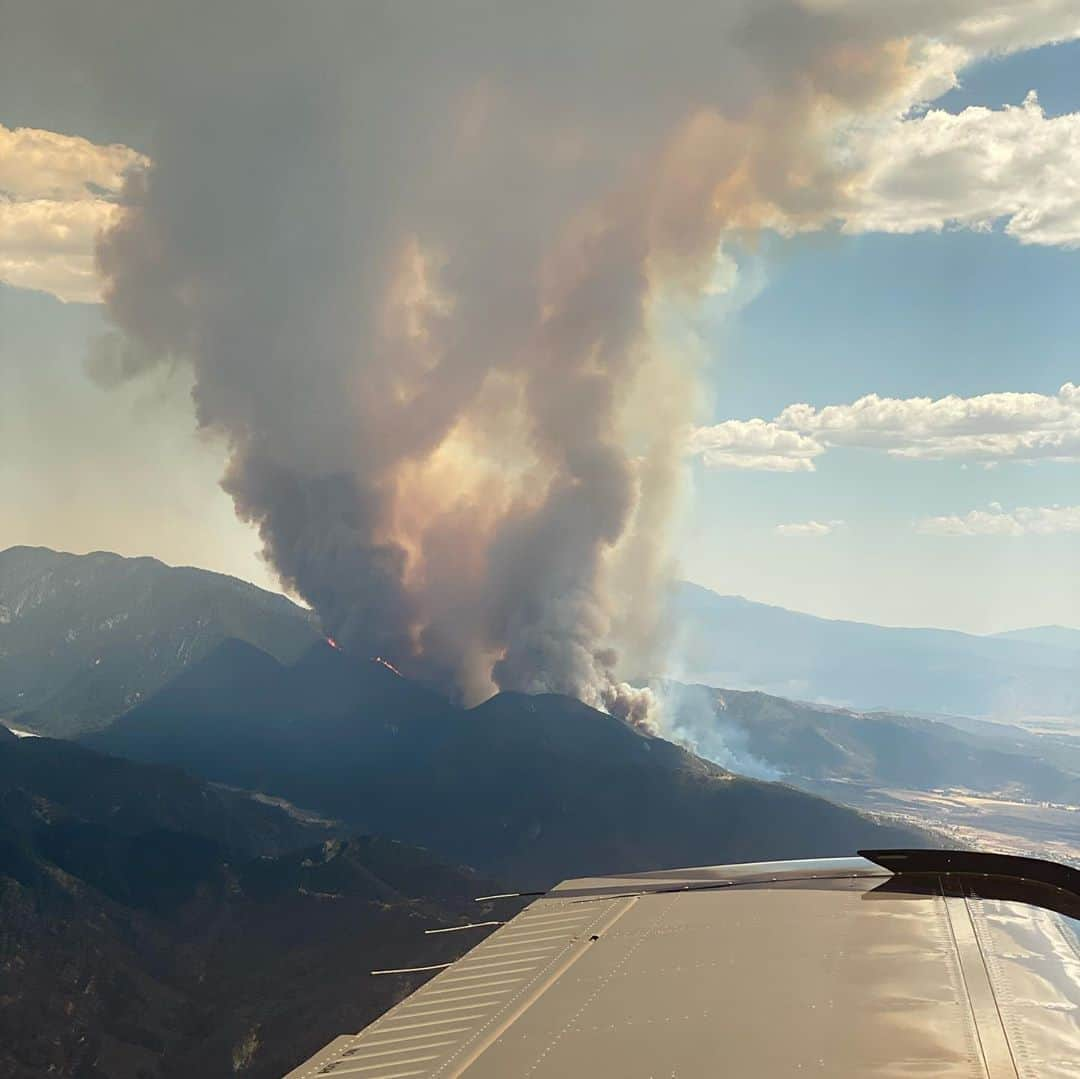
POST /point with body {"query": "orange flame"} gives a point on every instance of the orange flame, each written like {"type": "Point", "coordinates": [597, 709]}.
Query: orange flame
{"type": "Point", "coordinates": [387, 664]}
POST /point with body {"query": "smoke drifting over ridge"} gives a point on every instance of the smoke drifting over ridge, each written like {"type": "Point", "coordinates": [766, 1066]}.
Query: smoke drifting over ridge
{"type": "Point", "coordinates": [414, 256]}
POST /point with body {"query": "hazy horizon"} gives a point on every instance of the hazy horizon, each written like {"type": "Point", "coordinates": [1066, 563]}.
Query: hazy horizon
{"type": "Point", "coordinates": [269, 585]}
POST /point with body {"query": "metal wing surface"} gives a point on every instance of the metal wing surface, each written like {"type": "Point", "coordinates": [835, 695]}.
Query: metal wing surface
{"type": "Point", "coordinates": [908, 966]}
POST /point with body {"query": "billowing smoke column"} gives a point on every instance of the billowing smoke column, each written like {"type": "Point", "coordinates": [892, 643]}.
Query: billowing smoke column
{"type": "Point", "coordinates": [414, 255]}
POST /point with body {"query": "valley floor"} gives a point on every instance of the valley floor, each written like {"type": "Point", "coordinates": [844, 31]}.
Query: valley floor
{"type": "Point", "coordinates": [965, 818]}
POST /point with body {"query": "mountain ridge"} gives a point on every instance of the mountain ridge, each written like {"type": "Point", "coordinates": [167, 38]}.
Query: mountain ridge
{"type": "Point", "coordinates": [532, 789]}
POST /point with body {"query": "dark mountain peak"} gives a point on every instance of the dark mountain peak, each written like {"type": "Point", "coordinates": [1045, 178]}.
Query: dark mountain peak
{"type": "Point", "coordinates": [232, 664]}
{"type": "Point", "coordinates": [565, 729]}
{"type": "Point", "coordinates": [546, 705]}
{"type": "Point", "coordinates": [560, 718]}
{"type": "Point", "coordinates": [326, 659]}
{"type": "Point", "coordinates": [555, 709]}
{"type": "Point", "coordinates": [556, 713]}
{"type": "Point", "coordinates": [337, 680]}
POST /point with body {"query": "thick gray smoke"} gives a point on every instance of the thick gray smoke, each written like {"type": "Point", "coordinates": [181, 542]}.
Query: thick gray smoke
{"type": "Point", "coordinates": [414, 254]}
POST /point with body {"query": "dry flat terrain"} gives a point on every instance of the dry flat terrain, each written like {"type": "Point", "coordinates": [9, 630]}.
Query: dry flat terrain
{"type": "Point", "coordinates": [1041, 829]}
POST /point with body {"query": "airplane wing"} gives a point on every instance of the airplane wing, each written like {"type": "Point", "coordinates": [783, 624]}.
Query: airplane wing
{"type": "Point", "coordinates": [900, 964]}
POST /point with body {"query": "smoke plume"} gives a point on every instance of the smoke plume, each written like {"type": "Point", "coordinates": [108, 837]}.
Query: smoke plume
{"type": "Point", "coordinates": [415, 254]}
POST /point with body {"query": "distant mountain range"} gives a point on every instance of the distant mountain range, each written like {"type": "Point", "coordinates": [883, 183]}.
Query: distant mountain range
{"type": "Point", "coordinates": [731, 642]}
{"type": "Point", "coordinates": [83, 638]}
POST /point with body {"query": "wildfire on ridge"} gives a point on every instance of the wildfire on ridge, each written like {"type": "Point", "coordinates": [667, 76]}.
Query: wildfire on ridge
{"type": "Point", "coordinates": [387, 664]}
{"type": "Point", "coordinates": [374, 659]}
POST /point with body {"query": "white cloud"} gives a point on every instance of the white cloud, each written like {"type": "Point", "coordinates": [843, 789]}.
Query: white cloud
{"type": "Point", "coordinates": [754, 445]}
{"type": "Point", "coordinates": [914, 170]}
{"type": "Point", "coordinates": [809, 528]}
{"type": "Point", "coordinates": [988, 429]}
{"type": "Point", "coordinates": [996, 521]}
{"type": "Point", "coordinates": [56, 194]}
{"type": "Point", "coordinates": [37, 164]}
{"type": "Point", "coordinates": [49, 245]}
{"type": "Point", "coordinates": [971, 170]}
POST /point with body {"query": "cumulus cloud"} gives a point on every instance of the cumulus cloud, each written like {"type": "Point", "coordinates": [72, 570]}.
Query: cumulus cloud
{"type": "Point", "coordinates": [809, 528]}
{"type": "Point", "coordinates": [755, 445]}
{"type": "Point", "coordinates": [988, 428]}
{"type": "Point", "coordinates": [972, 170]}
{"type": "Point", "coordinates": [57, 194]}
{"type": "Point", "coordinates": [49, 245]}
{"type": "Point", "coordinates": [37, 164]}
{"type": "Point", "coordinates": [997, 521]}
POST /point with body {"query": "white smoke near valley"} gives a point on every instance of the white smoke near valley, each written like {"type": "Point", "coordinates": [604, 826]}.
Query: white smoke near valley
{"type": "Point", "coordinates": [414, 255]}
{"type": "Point", "coordinates": [694, 716]}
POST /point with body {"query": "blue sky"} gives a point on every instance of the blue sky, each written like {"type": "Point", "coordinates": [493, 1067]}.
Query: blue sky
{"type": "Point", "coordinates": [930, 314]}
{"type": "Point", "coordinates": [1050, 70]}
